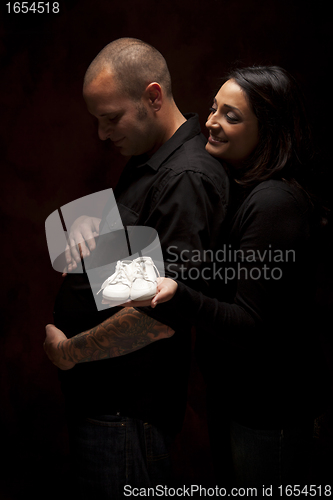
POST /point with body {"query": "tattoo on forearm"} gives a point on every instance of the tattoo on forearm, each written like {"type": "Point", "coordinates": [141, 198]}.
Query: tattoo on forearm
{"type": "Point", "coordinates": [124, 332]}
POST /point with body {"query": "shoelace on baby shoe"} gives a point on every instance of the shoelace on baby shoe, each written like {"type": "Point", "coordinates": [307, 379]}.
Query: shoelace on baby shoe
{"type": "Point", "coordinates": [140, 268]}
{"type": "Point", "coordinates": [121, 275]}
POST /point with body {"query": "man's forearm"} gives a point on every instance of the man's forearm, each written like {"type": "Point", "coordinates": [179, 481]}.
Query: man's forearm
{"type": "Point", "coordinates": [124, 332]}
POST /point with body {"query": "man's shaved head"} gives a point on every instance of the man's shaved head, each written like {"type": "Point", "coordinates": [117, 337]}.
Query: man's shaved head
{"type": "Point", "coordinates": [134, 65]}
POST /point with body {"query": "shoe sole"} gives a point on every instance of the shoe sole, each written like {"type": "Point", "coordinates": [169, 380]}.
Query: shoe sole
{"type": "Point", "coordinates": [115, 298]}
{"type": "Point", "coordinates": [144, 297]}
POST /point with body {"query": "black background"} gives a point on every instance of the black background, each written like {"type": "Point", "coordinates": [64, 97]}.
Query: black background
{"type": "Point", "coordinates": [50, 155]}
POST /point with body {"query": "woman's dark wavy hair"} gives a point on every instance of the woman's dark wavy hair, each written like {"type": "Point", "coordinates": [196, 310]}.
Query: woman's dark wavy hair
{"type": "Point", "coordinates": [285, 142]}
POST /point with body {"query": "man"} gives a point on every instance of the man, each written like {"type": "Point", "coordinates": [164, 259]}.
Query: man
{"type": "Point", "coordinates": [123, 411]}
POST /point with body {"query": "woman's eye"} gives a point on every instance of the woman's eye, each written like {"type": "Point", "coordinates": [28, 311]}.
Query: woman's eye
{"type": "Point", "coordinates": [212, 110]}
{"type": "Point", "coordinates": [231, 118]}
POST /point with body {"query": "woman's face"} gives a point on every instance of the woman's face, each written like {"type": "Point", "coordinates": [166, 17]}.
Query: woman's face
{"type": "Point", "coordinates": [232, 125]}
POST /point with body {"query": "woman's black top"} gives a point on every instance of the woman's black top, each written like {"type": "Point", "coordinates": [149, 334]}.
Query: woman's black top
{"type": "Point", "coordinates": [257, 341]}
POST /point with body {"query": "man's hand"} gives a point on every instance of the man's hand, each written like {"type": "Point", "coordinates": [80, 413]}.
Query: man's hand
{"type": "Point", "coordinates": [81, 240]}
{"type": "Point", "coordinates": [55, 348]}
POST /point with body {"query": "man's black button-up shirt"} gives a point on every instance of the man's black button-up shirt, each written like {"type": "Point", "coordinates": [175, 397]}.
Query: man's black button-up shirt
{"type": "Point", "coordinates": [182, 192]}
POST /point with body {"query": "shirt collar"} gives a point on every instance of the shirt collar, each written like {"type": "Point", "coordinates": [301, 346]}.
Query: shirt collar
{"type": "Point", "coordinates": [186, 131]}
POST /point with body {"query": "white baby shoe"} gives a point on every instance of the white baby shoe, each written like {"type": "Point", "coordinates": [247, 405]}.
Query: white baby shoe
{"type": "Point", "coordinates": [118, 286]}
{"type": "Point", "coordinates": [144, 279]}
{"type": "Point", "coordinates": [134, 280]}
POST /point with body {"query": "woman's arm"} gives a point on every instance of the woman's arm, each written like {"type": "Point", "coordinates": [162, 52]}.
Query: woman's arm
{"type": "Point", "coordinates": [273, 231]}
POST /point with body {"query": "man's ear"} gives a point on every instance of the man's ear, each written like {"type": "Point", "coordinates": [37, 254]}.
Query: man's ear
{"type": "Point", "coordinates": [154, 95]}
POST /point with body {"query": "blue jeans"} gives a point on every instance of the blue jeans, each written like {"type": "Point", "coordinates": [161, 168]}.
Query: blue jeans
{"type": "Point", "coordinates": [271, 457]}
{"type": "Point", "coordinates": [112, 451]}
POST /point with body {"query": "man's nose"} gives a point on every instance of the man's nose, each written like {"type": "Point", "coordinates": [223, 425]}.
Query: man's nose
{"type": "Point", "coordinates": [103, 132]}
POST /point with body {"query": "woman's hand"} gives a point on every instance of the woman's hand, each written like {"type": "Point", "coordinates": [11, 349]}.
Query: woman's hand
{"type": "Point", "coordinates": [166, 289]}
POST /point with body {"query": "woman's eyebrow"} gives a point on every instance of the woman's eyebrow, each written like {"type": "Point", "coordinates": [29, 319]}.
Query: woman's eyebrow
{"type": "Point", "coordinates": [228, 106]}
{"type": "Point", "coordinates": [233, 107]}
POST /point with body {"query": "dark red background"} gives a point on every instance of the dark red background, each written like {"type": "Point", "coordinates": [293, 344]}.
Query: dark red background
{"type": "Point", "coordinates": [50, 155]}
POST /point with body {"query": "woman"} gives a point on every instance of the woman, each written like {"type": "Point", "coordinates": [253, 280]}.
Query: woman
{"type": "Point", "coordinates": [257, 340]}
